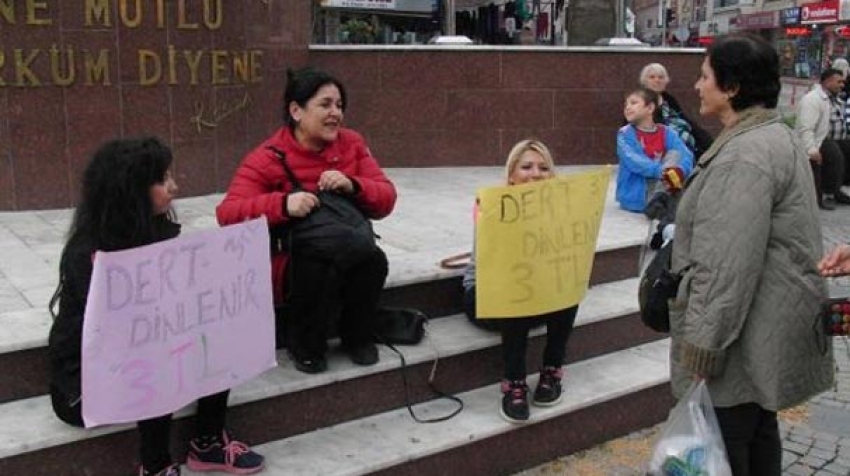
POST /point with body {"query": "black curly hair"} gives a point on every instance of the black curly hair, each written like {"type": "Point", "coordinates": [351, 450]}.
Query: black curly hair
{"type": "Point", "coordinates": [115, 210]}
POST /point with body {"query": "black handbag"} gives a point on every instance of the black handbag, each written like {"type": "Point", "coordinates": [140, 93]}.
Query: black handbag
{"type": "Point", "coordinates": [657, 285]}
{"type": "Point", "coordinates": [335, 231]}
{"type": "Point", "coordinates": [404, 326]}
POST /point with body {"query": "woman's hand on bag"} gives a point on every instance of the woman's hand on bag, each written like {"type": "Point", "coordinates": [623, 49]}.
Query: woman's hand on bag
{"type": "Point", "coordinates": [300, 204]}
{"type": "Point", "coordinates": [335, 180]}
{"type": "Point", "coordinates": [836, 262]}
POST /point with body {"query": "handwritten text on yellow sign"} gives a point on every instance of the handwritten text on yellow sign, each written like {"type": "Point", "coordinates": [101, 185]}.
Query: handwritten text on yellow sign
{"type": "Point", "coordinates": [535, 244]}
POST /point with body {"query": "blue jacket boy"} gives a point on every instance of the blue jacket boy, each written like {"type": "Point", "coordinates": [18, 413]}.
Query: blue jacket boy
{"type": "Point", "coordinates": [636, 168]}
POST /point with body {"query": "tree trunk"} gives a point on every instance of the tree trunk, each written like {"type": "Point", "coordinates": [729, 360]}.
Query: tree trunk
{"type": "Point", "coordinates": [590, 20]}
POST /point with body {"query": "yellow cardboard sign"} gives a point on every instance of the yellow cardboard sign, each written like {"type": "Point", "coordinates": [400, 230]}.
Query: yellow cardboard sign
{"type": "Point", "coordinates": [535, 244]}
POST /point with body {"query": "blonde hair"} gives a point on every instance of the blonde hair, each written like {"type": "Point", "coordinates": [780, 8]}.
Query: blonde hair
{"type": "Point", "coordinates": [652, 68]}
{"type": "Point", "coordinates": [522, 147]}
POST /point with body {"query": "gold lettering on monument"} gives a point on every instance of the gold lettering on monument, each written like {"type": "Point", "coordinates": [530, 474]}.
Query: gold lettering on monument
{"type": "Point", "coordinates": [193, 63]}
{"type": "Point", "coordinates": [213, 24]}
{"type": "Point", "coordinates": [124, 13]}
{"type": "Point", "coordinates": [97, 69]}
{"type": "Point", "coordinates": [56, 69]}
{"type": "Point", "coordinates": [34, 12]}
{"type": "Point", "coordinates": [148, 57]}
{"type": "Point", "coordinates": [65, 64]}
{"type": "Point", "coordinates": [218, 114]}
{"type": "Point", "coordinates": [98, 10]}
{"type": "Point", "coordinates": [132, 13]}
{"type": "Point", "coordinates": [23, 73]}
{"type": "Point", "coordinates": [7, 11]}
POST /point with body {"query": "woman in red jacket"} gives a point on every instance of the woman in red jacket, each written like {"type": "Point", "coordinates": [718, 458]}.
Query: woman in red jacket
{"type": "Point", "coordinates": [323, 156]}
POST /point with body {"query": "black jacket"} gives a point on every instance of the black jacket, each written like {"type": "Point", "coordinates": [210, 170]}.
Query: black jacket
{"type": "Point", "coordinates": [66, 334]}
{"type": "Point", "coordinates": [702, 138]}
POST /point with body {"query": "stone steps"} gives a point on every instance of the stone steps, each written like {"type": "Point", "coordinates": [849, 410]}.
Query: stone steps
{"type": "Point", "coordinates": [290, 413]}
{"type": "Point", "coordinates": [284, 403]}
{"type": "Point", "coordinates": [615, 391]}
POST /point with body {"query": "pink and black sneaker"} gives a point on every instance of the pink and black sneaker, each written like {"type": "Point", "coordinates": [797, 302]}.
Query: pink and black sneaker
{"type": "Point", "coordinates": [548, 391]}
{"type": "Point", "coordinates": [223, 454]}
{"type": "Point", "coordinates": [514, 401]}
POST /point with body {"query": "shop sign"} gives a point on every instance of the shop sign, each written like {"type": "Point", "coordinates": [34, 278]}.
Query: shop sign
{"type": "Point", "coordinates": [367, 4]}
{"type": "Point", "coordinates": [791, 16]}
{"type": "Point", "coordinates": [758, 21]}
{"type": "Point", "coordinates": [824, 12]}
{"type": "Point", "coordinates": [797, 31]}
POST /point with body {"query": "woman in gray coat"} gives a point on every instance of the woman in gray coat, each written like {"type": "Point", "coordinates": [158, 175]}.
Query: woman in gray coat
{"type": "Point", "coordinates": [747, 242]}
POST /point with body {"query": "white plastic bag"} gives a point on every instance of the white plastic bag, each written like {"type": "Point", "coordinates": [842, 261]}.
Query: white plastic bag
{"type": "Point", "coordinates": [691, 443]}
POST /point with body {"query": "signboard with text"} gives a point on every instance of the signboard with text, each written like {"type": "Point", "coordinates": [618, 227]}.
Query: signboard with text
{"type": "Point", "coordinates": [535, 244]}
{"type": "Point", "coordinates": [823, 12]}
{"type": "Point", "coordinates": [790, 16]}
{"type": "Point", "coordinates": [367, 4]}
{"type": "Point", "coordinates": [177, 320]}
{"type": "Point", "coordinates": [758, 21]}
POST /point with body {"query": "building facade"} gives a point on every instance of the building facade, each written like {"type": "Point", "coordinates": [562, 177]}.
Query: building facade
{"type": "Point", "coordinates": [207, 77]}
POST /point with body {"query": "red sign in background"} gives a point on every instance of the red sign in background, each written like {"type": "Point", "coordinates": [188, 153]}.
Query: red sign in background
{"type": "Point", "coordinates": [823, 12]}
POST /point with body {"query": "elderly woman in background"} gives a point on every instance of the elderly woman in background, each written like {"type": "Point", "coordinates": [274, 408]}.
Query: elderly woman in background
{"type": "Point", "coordinates": [654, 76]}
{"type": "Point", "coordinates": [747, 246]}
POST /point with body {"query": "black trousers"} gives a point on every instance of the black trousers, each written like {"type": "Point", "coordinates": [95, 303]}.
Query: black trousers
{"type": "Point", "coordinates": [844, 145]}
{"type": "Point", "coordinates": [829, 174]}
{"type": "Point", "coordinates": [319, 294]}
{"type": "Point", "coordinates": [559, 326]}
{"type": "Point", "coordinates": [751, 436]}
{"type": "Point", "coordinates": [155, 434]}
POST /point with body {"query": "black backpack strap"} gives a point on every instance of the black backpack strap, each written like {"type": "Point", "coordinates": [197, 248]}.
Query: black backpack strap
{"type": "Point", "coordinates": [296, 185]}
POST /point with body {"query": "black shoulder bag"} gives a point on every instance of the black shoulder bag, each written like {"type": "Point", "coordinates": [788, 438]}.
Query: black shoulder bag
{"type": "Point", "coordinates": [658, 284]}
{"type": "Point", "coordinates": [400, 326]}
{"type": "Point", "coordinates": [336, 231]}
{"type": "Point", "coordinates": [432, 376]}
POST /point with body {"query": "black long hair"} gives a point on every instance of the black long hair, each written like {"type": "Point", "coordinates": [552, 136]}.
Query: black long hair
{"type": "Point", "coordinates": [115, 210]}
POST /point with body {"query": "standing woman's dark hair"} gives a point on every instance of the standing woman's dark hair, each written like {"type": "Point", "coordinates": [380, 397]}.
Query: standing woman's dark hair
{"type": "Point", "coordinates": [748, 66]}
{"type": "Point", "coordinates": [302, 85]}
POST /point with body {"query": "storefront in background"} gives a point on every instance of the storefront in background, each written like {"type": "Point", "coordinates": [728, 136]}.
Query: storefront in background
{"type": "Point", "coordinates": [377, 22]}
{"type": "Point", "coordinates": [808, 38]}
{"type": "Point", "coordinates": [413, 22]}
{"type": "Point", "coordinates": [764, 24]}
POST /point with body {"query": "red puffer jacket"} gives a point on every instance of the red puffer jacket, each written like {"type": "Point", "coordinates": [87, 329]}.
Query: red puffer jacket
{"type": "Point", "coordinates": [260, 183]}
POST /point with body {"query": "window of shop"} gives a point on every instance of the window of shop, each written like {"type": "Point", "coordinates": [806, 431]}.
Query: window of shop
{"type": "Point", "coordinates": [725, 3]}
{"type": "Point", "coordinates": [512, 22]}
{"type": "Point", "coordinates": [485, 22]}
{"type": "Point", "coordinates": [376, 22]}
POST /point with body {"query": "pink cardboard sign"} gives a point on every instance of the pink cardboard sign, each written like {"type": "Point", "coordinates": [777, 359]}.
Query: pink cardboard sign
{"type": "Point", "coordinates": [177, 320]}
